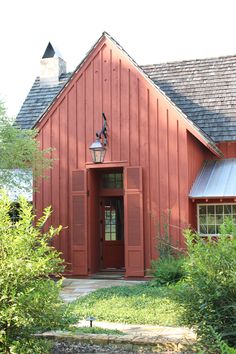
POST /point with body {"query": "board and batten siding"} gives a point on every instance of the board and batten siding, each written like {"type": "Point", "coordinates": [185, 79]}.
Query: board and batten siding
{"type": "Point", "coordinates": [144, 129]}
{"type": "Point", "coordinates": [228, 148]}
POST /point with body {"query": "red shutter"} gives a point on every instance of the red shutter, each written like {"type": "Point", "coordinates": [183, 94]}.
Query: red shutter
{"type": "Point", "coordinates": [133, 203]}
{"type": "Point", "coordinates": [79, 222]}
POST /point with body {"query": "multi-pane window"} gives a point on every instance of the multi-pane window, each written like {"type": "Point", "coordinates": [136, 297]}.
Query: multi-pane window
{"type": "Point", "coordinates": [112, 180]}
{"type": "Point", "coordinates": [210, 217]}
{"type": "Point", "coordinates": [114, 220]}
{"type": "Point", "coordinates": [110, 224]}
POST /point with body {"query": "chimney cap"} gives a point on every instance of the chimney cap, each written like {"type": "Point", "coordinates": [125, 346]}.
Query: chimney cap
{"type": "Point", "coordinates": [51, 52]}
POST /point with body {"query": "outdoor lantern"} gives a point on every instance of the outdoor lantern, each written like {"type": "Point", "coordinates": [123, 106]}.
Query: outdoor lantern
{"type": "Point", "coordinates": [98, 151]}
{"type": "Point", "coordinates": [98, 147]}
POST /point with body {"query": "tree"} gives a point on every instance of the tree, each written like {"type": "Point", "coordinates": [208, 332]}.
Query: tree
{"type": "Point", "coordinates": [19, 149]}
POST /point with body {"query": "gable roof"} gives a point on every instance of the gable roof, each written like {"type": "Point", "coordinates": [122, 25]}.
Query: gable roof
{"type": "Point", "coordinates": [204, 89]}
{"type": "Point", "coordinates": [37, 101]}
{"type": "Point", "coordinates": [40, 99]}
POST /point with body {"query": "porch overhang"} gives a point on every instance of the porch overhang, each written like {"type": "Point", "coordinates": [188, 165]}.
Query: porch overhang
{"type": "Point", "coordinates": [217, 179]}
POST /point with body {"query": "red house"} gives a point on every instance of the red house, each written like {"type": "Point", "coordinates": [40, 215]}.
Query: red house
{"type": "Point", "coordinates": [171, 132]}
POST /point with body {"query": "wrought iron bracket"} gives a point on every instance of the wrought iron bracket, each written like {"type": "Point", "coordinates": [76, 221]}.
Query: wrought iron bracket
{"type": "Point", "coordinates": [103, 131]}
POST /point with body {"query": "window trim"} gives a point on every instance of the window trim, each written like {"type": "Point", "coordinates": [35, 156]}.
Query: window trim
{"type": "Point", "coordinates": [198, 221]}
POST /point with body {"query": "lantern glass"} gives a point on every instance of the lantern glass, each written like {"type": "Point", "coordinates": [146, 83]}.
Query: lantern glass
{"type": "Point", "coordinates": [98, 151]}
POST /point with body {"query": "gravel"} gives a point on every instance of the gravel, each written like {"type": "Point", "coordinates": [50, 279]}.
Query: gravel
{"type": "Point", "coordinates": [86, 348]}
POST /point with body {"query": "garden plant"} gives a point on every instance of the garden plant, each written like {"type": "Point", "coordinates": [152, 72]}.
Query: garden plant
{"type": "Point", "coordinates": [29, 298]}
{"type": "Point", "coordinates": [209, 288]}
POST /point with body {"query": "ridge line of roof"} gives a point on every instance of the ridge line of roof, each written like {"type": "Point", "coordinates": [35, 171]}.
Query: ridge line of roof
{"type": "Point", "coordinates": [69, 79]}
{"type": "Point", "coordinates": [204, 135]}
{"type": "Point", "coordinates": [105, 34]}
{"type": "Point", "coordinates": [190, 60]}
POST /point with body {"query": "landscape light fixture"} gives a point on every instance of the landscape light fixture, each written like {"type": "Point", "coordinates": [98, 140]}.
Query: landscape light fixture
{"type": "Point", "coordinates": [98, 147]}
{"type": "Point", "coordinates": [91, 319]}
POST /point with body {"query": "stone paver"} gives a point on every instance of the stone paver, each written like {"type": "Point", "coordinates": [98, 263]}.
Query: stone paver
{"type": "Point", "coordinates": [75, 288]}
{"type": "Point", "coordinates": [145, 330]}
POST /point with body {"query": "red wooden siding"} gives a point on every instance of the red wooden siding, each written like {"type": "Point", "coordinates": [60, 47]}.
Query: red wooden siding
{"type": "Point", "coordinates": [228, 148]}
{"type": "Point", "coordinates": [197, 154]}
{"type": "Point", "coordinates": [144, 130]}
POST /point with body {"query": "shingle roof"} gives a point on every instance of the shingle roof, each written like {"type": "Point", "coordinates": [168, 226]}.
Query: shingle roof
{"type": "Point", "coordinates": [204, 89]}
{"type": "Point", "coordinates": [37, 101]}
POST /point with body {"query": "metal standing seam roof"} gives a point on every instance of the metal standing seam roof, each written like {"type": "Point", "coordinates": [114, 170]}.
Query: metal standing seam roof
{"type": "Point", "coordinates": [217, 179]}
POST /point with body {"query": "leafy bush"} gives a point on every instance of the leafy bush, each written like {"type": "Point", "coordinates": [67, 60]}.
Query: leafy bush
{"type": "Point", "coordinates": [211, 342]}
{"type": "Point", "coordinates": [29, 299]}
{"type": "Point", "coordinates": [31, 346]}
{"type": "Point", "coordinates": [167, 270]}
{"type": "Point", "coordinates": [209, 290]}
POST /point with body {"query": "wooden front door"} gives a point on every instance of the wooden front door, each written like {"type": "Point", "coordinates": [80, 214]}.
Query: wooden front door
{"type": "Point", "coordinates": [112, 229]}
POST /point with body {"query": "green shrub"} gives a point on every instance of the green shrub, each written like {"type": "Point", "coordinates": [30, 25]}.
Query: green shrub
{"type": "Point", "coordinates": [209, 290]}
{"type": "Point", "coordinates": [211, 342]}
{"type": "Point", "coordinates": [31, 346]}
{"type": "Point", "coordinates": [167, 270]}
{"type": "Point", "coordinates": [29, 299]}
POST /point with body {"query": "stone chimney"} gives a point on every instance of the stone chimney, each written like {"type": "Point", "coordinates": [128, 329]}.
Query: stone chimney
{"type": "Point", "coordinates": [51, 67]}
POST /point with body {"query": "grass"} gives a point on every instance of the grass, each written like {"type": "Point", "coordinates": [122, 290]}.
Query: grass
{"type": "Point", "coordinates": [139, 304]}
{"type": "Point", "coordinates": [97, 330]}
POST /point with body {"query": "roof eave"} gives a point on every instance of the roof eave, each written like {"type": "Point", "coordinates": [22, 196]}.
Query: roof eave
{"type": "Point", "coordinates": [193, 128]}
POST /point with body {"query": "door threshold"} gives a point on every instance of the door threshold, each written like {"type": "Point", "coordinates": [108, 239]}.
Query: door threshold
{"type": "Point", "coordinates": [112, 270]}
{"type": "Point", "coordinates": [109, 274]}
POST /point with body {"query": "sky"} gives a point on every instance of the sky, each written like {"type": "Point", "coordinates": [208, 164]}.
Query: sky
{"type": "Point", "coordinates": [151, 31]}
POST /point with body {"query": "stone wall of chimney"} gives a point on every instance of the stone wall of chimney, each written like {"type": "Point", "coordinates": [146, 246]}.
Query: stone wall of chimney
{"type": "Point", "coordinates": [51, 70]}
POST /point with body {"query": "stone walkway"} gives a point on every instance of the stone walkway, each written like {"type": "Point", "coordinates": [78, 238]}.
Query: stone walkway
{"type": "Point", "coordinates": [75, 288]}
{"type": "Point", "coordinates": [145, 330]}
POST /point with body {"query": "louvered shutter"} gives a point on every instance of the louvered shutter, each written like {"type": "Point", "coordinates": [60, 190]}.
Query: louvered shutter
{"type": "Point", "coordinates": [133, 205]}
{"type": "Point", "coordinates": [79, 222]}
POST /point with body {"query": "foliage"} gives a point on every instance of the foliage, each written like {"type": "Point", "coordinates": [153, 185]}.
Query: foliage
{"type": "Point", "coordinates": [31, 346]}
{"type": "Point", "coordinates": [167, 270]}
{"type": "Point", "coordinates": [97, 330]}
{"type": "Point", "coordinates": [165, 246]}
{"type": "Point", "coordinates": [19, 150]}
{"type": "Point", "coordinates": [211, 342]}
{"type": "Point", "coordinates": [141, 304]}
{"type": "Point", "coordinates": [29, 299]}
{"type": "Point", "coordinates": [209, 290]}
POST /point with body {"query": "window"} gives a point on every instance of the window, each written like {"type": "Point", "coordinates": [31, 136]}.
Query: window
{"type": "Point", "coordinates": [112, 180]}
{"type": "Point", "coordinates": [114, 219]}
{"type": "Point", "coordinates": [110, 224]}
{"type": "Point", "coordinates": [211, 216]}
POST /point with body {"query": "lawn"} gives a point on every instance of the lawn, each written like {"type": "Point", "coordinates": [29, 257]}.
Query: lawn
{"type": "Point", "coordinates": [96, 330]}
{"type": "Point", "coordinates": [139, 304]}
